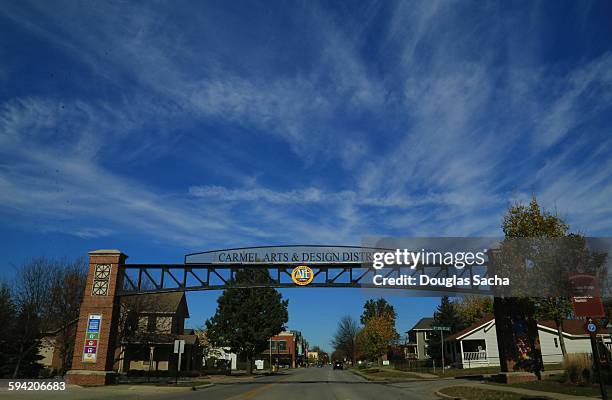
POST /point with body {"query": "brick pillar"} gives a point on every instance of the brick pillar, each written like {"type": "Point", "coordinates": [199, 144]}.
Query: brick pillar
{"type": "Point", "coordinates": [100, 302]}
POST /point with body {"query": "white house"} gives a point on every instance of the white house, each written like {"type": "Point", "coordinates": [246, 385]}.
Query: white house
{"type": "Point", "coordinates": [476, 346]}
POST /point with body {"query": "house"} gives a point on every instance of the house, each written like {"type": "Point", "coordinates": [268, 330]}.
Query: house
{"type": "Point", "coordinates": [149, 326]}
{"type": "Point", "coordinates": [289, 348]}
{"type": "Point", "coordinates": [56, 347]}
{"type": "Point", "coordinates": [417, 337]}
{"type": "Point", "coordinates": [476, 345]}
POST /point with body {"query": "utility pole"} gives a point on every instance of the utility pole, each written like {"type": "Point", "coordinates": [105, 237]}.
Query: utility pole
{"type": "Point", "coordinates": [591, 328]}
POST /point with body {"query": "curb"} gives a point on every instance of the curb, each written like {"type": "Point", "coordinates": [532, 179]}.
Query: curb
{"type": "Point", "coordinates": [393, 380]}
{"type": "Point", "coordinates": [199, 387]}
{"type": "Point", "coordinates": [445, 396]}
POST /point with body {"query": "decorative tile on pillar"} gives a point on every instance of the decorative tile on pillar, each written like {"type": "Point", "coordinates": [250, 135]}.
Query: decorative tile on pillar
{"type": "Point", "coordinates": [101, 279]}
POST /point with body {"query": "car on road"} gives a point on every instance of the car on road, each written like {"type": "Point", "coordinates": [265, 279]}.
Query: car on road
{"type": "Point", "coordinates": [338, 365]}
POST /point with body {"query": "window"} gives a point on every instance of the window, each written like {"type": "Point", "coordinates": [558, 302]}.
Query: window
{"type": "Point", "coordinates": [556, 342]}
{"type": "Point", "coordinates": [151, 326]}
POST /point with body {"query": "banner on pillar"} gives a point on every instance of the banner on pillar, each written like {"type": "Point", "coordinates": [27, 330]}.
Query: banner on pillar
{"type": "Point", "coordinates": [92, 336]}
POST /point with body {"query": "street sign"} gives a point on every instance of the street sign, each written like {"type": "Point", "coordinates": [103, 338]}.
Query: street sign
{"type": "Point", "coordinates": [179, 346]}
{"type": "Point", "coordinates": [590, 326]}
{"type": "Point", "coordinates": [259, 364]}
{"type": "Point", "coordinates": [441, 328]}
{"type": "Point", "coordinates": [588, 306]}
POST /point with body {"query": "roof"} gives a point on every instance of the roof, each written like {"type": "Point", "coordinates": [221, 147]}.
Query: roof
{"type": "Point", "coordinates": [570, 326]}
{"type": "Point", "coordinates": [574, 327]}
{"type": "Point", "coordinates": [423, 324]}
{"type": "Point", "coordinates": [158, 303]}
{"type": "Point", "coordinates": [189, 339]}
{"type": "Point", "coordinates": [470, 328]}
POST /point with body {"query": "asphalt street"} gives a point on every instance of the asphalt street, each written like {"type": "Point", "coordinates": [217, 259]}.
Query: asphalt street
{"type": "Point", "coordinates": [302, 383]}
{"type": "Point", "coordinates": [319, 384]}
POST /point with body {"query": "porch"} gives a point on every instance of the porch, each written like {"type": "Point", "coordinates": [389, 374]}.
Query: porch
{"type": "Point", "coordinates": [470, 353]}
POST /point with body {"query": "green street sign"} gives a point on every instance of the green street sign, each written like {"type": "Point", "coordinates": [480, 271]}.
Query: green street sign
{"type": "Point", "coordinates": [441, 328]}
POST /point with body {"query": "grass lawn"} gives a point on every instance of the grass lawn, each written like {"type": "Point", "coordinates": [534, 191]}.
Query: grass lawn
{"type": "Point", "coordinates": [384, 373]}
{"type": "Point", "coordinates": [556, 386]}
{"type": "Point", "coordinates": [471, 393]}
{"type": "Point", "coordinates": [453, 372]}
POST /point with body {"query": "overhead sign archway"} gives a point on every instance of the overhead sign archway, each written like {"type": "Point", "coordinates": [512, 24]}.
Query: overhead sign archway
{"type": "Point", "coordinates": [300, 266]}
{"type": "Point", "coordinates": [330, 266]}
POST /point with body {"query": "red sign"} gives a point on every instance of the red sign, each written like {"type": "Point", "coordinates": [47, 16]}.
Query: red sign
{"type": "Point", "coordinates": [588, 306]}
{"type": "Point", "coordinates": [586, 299]}
{"type": "Point", "coordinates": [91, 343]}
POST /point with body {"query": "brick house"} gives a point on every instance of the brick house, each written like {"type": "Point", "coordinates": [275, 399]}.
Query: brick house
{"type": "Point", "coordinates": [156, 321]}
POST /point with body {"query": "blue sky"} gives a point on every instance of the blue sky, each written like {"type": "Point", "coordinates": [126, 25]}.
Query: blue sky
{"type": "Point", "coordinates": [164, 128]}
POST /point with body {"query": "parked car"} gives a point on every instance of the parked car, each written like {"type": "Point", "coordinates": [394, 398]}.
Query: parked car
{"type": "Point", "coordinates": [338, 365]}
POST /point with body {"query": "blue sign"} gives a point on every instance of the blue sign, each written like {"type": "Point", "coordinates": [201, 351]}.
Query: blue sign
{"type": "Point", "coordinates": [591, 327]}
{"type": "Point", "coordinates": [93, 325]}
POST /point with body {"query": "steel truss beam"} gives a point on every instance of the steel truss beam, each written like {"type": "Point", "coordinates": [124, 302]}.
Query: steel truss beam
{"type": "Point", "coordinates": [161, 278]}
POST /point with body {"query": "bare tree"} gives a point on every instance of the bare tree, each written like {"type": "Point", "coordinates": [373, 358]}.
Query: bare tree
{"type": "Point", "coordinates": [345, 337]}
{"type": "Point", "coordinates": [66, 294]}
{"type": "Point", "coordinates": [32, 287]}
{"type": "Point", "coordinates": [48, 294]}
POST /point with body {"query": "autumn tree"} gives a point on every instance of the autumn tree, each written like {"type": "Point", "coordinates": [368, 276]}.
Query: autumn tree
{"type": "Point", "coordinates": [472, 309]}
{"type": "Point", "coordinates": [376, 336]}
{"type": "Point", "coordinates": [530, 221]}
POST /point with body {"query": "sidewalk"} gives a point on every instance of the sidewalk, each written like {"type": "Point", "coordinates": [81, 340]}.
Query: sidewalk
{"type": "Point", "coordinates": [526, 392]}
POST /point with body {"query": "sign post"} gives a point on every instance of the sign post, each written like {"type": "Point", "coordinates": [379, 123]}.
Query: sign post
{"type": "Point", "coordinates": [271, 356]}
{"type": "Point", "coordinates": [179, 348]}
{"type": "Point", "coordinates": [591, 328]}
{"type": "Point", "coordinates": [441, 328]}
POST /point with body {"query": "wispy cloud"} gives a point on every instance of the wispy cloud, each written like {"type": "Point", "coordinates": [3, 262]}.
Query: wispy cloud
{"type": "Point", "coordinates": [414, 127]}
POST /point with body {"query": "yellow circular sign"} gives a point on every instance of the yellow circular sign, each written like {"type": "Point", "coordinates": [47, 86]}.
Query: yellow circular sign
{"type": "Point", "coordinates": [302, 275]}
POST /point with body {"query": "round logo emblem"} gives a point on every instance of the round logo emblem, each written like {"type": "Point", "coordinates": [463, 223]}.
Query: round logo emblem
{"type": "Point", "coordinates": [591, 327]}
{"type": "Point", "coordinates": [302, 275]}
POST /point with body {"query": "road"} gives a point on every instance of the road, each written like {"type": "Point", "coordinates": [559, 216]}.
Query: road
{"type": "Point", "coordinates": [319, 384]}
{"type": "Point", "coordinates": [303, 383]}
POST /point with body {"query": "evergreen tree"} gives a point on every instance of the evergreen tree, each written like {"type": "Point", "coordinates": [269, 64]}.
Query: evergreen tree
{"type": "Point", "coordinates": [7, 334]}
{"type": "Point", "coordinates": [25, 341]}
{"type": "Point", "coordinates": [246, 318]}
{"type": "Point", "coordinates": [377, 308]}
{"type": "Point", "coordinates": [446, 315]}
